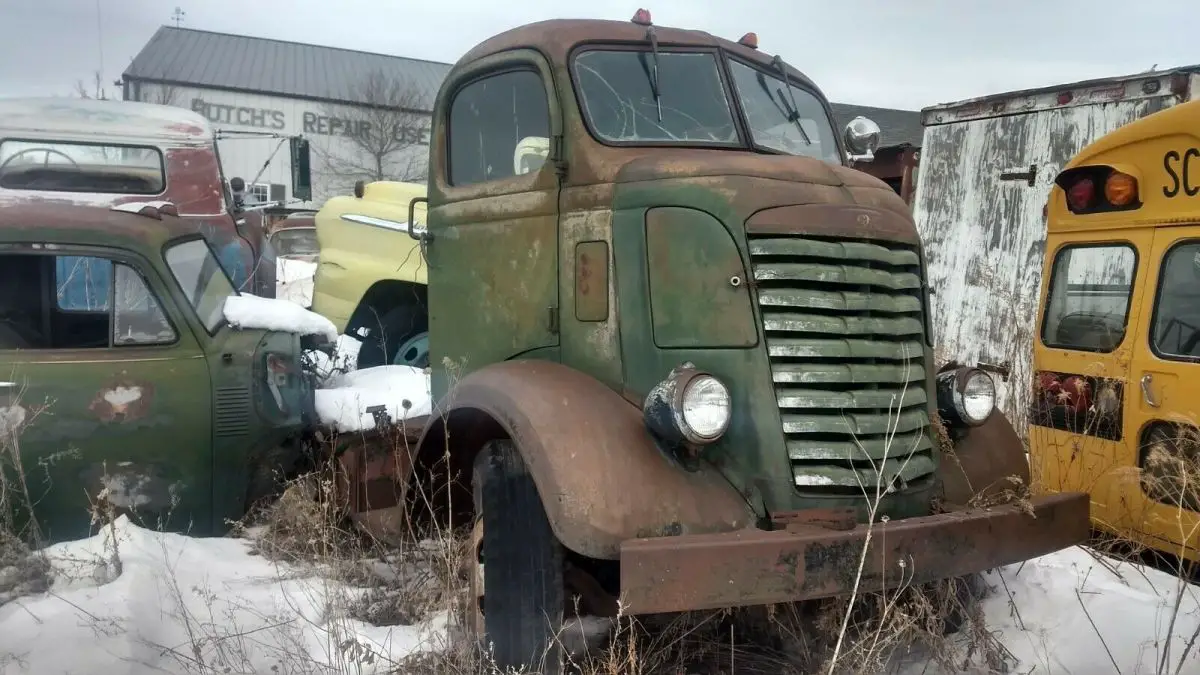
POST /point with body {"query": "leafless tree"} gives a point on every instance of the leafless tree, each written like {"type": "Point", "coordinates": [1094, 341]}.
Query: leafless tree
{"type": "Point", "coordinates": [97, 91]}
{"type": "Point", "coordinates": [381, 138]}
{"type": "Point", "coordinates": [162, 94]}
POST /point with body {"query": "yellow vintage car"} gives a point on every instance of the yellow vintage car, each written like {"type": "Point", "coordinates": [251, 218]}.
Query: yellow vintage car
{"type": "Point", "coordinates": [371, 279]}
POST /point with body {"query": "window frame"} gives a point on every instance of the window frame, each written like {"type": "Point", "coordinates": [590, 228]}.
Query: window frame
{"type": "Point", "coordinates": [115, 257]}
{"type": "Point", "coordinates": [476, 78]}
{"type": "Point", "coordinates": [1157, 302]}
{"type": "Point", "coordinates": [162, 164]}
{"type": "Point", "coordinates": [736, 114]}
{"type": "Point", "coordinates": [177, 286]}
{"type": "Point", "coordinates": [732, 59]}
{"type": "Point", "coordinates": [1072, 245]}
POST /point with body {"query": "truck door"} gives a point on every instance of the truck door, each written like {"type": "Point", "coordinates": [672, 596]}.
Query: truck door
{"type": "Point", "coordinates": [493, 218]}
{"type": "Point", "coordinates": [979, 209]}
{"type": "Point", "coordinates": [105, 392]}
{"type": "Point", "coordinates": [1164, 392]}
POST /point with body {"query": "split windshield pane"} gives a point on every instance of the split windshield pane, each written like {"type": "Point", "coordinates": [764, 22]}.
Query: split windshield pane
{"type": "Point", "coordinates": [619, 103]}
{"type": "Point", "coordinates": [773, 112]}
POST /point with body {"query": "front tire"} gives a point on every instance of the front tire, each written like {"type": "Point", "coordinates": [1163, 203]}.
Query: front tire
{"type": "Point", "coordinates": [523, 573]}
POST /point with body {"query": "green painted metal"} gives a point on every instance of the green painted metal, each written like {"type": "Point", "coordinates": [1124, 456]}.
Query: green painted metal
{"type": "Point", "coordinates": [166, 432]}
{"type": "Point", "coordinates": [692, 256]}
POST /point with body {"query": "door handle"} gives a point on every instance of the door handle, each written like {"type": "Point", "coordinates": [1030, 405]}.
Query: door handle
{"type": "Point", "coordinates": [1147, 380]}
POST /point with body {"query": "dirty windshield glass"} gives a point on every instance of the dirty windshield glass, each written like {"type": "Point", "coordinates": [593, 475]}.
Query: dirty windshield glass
{"type": "Point", "coordinates": [202, 280]}
{"type": "Point", "coordinates": [80, 167]}
{"type": "Point", "coordinates": [773, 113]}
{"type": "Point", "coordinates": [615, 88]}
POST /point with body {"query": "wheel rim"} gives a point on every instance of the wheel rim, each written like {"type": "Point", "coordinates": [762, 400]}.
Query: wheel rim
{"type": "Point", "coordinates": [414, 352]}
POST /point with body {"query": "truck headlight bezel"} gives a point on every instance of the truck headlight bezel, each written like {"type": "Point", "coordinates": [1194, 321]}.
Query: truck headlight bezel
{"type": "Point", "coordinates": [963, 395]}
{"type": "Point", "coordinates": [673, 407]}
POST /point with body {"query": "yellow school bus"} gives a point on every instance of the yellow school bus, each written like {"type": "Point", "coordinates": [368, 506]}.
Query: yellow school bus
{"type": "Point", "coordinates": [1117, 350]}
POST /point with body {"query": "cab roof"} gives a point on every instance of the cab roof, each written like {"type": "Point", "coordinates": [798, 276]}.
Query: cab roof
{"type": "Point", "coordinates": [557, 37]}
{"type": "Point", "coordinates": [73, 224]}
{"type": "Point", "coordinates": [90, 119]}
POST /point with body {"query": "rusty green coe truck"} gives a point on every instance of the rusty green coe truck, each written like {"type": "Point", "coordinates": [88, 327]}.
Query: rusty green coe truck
{"type": "Point", "coordinates": [680, 355]}
{"type": "Point", "coordinates": [138, 394]}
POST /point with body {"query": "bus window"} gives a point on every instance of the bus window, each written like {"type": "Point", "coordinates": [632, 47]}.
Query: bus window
{"type": "Point", "coordinates": [1088, 307]}
{"type": "Point", "coordinates": [1177, 308]}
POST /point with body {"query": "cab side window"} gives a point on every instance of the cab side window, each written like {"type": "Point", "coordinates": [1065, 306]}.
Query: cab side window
{"type": "Point", "coordinates": [77, 302]}
{"type": "Point", "coordinates": [1176, 332]}
{"type": "Point", "coordinates": [1088, 303]}
{"type": "Point", "coordinates": [499, 127]}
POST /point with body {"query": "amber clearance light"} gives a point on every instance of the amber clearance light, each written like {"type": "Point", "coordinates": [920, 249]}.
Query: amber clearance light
{"type": "Point", "coordinates": [1098, 189]}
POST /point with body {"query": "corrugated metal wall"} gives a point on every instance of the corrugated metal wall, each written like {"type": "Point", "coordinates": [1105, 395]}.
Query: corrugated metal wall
{"type": "Point", "coordinates": [985, 237]}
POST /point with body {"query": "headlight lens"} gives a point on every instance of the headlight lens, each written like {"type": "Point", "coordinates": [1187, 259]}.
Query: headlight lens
{"type": "Point", "coordinates": [705, 407]}
{"type": "Point", "coordinates": [977, 398]}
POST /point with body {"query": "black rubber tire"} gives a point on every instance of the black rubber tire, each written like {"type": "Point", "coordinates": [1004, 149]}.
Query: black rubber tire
{"type": "Point", "coordinates": [523, 567]}
{"type": "Point", "coordinates": [388, 333]}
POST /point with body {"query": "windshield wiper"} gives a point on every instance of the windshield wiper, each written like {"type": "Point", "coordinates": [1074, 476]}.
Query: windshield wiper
{"type": "Point", "coordinates": [791, 110]}
{"type": "Point", "coordinates": [653, 76]}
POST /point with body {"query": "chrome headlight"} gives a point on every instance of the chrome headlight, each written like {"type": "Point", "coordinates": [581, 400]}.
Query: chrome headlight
{"type": "Point", "coordinates": [688, 407]}
{"type": "Point", "coordinates": [966, 396]}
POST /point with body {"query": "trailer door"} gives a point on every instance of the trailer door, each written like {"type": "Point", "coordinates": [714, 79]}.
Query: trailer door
{"type": "Point", "coordinates": [979, 208]}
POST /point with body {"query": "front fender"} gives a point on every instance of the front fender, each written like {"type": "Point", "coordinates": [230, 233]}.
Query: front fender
{"type": "Point", "coordinates": [981, 460]}
{"type": "Point", "coordinates": [601, 478]}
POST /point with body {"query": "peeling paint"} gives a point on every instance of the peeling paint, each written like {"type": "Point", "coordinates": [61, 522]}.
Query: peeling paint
{"type": "Point", "coordinates": [11, 419]}
{"type": "Point", "coordinates": [123, 402]}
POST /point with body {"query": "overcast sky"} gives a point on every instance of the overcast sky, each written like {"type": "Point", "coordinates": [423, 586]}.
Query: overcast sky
{"type": "Point", "coordinates": [889, 53]}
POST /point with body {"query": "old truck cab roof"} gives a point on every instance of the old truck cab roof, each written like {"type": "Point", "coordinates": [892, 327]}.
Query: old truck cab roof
{"type": "Point", "coordinates": [65, 224]}
{"type": "Point", "coordinates": [83, 119]}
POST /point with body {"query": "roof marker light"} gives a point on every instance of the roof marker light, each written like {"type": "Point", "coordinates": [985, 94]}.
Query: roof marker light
{"type": "Point", "coordinates": [642, 17]}
{"type": "Point", "coordinates": [749, 40]}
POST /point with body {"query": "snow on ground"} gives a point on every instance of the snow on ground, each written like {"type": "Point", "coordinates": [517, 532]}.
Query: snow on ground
{"type": "Point", "coordinates": [294, 280]}
{"type": "Point", "coordinates": [187, 605]}
{"type": "Point", "coordinates": [344, 400]}
{"type": "Point", "coordinates": [251, 311]}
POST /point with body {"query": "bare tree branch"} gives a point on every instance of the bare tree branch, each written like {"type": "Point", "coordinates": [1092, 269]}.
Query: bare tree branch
{"type": "Point", "coordinates": [380, 137]}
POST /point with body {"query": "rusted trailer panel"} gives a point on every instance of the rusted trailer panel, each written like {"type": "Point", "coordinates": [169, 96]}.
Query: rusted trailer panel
{"type": "Point", "coordinates": [987, 166]}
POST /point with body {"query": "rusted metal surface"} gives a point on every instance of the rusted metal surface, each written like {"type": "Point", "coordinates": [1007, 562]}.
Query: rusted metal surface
{"type": "Point", "coordinates": [193, 182]}
{"type": "Point", "coordinates": [583, 444]}
{"type": "Point", "coordinates": [834, 220]}
{"type": "Point", "coordinates": [123, 401]}
{"type": "Point", "coordinates": [982, 460]}
{"type": "Point", "coordinates": [830, 519]}
{"type": "Point", "coordinates": [983, 222]}
{"type": "Point", "coordinates": [759, 567]}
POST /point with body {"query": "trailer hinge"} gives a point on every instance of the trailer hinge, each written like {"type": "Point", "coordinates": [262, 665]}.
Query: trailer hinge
{"type": "Point", "coordinates": [1028, 176]}
{"type": "Point", "coordinates": [552, 319]}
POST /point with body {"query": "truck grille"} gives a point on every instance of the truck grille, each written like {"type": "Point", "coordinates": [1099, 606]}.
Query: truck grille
{"type": "Point", "coordinates": [844, 338]}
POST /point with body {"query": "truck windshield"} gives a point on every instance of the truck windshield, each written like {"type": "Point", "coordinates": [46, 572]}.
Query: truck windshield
{"type": "Point", "coordinates": [80, 167]}
{"type": "Point", "coordinates": [202, 279]}
{"type": "Point", "coordinates": [616, 92]}
{"type": "Point", "coordinates": [792, 122]}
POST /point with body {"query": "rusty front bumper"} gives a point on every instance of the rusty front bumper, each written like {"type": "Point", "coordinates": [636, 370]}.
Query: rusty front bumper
{"type": "Point", "coordinates": [807, 561]}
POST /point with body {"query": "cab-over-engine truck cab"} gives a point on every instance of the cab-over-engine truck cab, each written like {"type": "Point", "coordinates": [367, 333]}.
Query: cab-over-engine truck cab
{"type": "Point", "coordinates": [683, 358]}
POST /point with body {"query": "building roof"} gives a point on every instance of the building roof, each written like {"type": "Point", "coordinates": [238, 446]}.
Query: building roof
{"type": "Point", "coordinates": [86, 118]}
{"type": "Point", "coordinates": [185, 56]}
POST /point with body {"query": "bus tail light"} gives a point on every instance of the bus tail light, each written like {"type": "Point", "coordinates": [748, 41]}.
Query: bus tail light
{"type": "Point", "coordinates": [1099, 189]}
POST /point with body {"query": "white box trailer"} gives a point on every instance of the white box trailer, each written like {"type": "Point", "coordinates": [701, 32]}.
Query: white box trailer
{"type": "Point", "coordinates": [986, 168]}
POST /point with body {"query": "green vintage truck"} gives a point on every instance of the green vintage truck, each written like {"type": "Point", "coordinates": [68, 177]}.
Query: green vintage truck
{"type": "Point", "coordinates": [680, 358]}
{"type": "Point", "coordinates": [138, 394]}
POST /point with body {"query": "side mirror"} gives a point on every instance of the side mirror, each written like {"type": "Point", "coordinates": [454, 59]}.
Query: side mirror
{"type": "Point", "coordinates": [862, 137]}
{"type": "Point", "coordinates": [418, 232]}
{"type": "Point", "coordinates": [301, 168]}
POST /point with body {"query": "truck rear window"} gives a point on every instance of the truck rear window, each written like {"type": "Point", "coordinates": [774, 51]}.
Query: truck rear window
{"type": "Point", "coordinates": [65, 166]}
{"type": "Point", "coordinates": [619, 103]}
